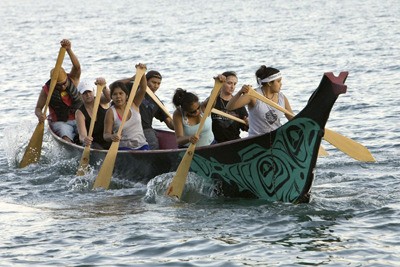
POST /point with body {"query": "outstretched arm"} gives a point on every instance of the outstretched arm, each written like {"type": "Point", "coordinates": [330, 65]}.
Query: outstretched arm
{"type": "Point", "coordinates": [141, 92]}
{"type": "Point", "coordinates": [241, 99]}
{"type": "Point", "coordinates": [75, 73]}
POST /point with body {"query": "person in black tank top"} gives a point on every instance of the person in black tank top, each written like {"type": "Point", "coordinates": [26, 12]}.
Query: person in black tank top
{"type": "Point", "coordinates": [84, 113]}
{"type": "Point", "coordinates": [225, 129]}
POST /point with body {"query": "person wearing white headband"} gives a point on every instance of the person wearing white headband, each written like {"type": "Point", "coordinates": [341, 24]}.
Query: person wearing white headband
{"type": "Point", "coordinates": [262, 117]}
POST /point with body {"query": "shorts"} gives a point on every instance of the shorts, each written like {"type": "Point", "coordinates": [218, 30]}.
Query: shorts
{"type": "Point", "coordinates": [65, 128]}
{"type": "Point", "coordinates": [144, 147]}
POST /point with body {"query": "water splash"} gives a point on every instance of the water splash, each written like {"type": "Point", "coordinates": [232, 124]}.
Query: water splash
{"type": "Point", "coordinates": [196, 189]}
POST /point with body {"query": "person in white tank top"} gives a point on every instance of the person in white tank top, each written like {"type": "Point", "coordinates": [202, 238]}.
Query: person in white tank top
{"type": "Point", "coordinates": [132, 136]}
{"type": "Point", "coordinates": [262, 117]}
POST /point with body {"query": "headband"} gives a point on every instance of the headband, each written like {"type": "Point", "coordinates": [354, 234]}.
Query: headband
{"type": "Point", "coordinates": [271, 78]}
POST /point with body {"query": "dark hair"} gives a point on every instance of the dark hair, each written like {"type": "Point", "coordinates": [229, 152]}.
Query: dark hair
{"type": "Point", "coordinates": [153, 74]}
{"type": "Point", "coordinates": [229, 73]}
{"type": "Point", "coordinates": [121, 85]}
{"type": "Point", "coordinates": [264, 72]}
{"type": "Point", "coordinates": [184, 99]}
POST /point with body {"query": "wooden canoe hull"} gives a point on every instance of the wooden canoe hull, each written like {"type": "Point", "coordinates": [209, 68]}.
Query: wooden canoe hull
{"type": "Point", "coordinates": [278, 166]}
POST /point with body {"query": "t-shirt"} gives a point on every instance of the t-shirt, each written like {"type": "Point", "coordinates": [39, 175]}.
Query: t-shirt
{"type": "Point", "coordinates": [149, 110]}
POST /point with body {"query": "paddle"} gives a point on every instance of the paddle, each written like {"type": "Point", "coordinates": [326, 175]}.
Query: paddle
{"type": "Point", "coordinates": [229, 116]}
{"type": "Point", "coordinates": [34, 148]}
{"type": "Point", "coordinates": [177, 184]}
{"type": "Point", "coordinates": [345, 144]}
{"type": "Point", "coordinates": [159, 103]}
{"type": "Point", "coordinates": [84, 163]}
{"type": "Point", "coordinates": [103, 178]}
{"type": "Point", "coordinates": [348, 146]}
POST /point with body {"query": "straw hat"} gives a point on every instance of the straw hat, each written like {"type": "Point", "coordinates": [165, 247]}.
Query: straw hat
{"type": "Point", "coordinates": [62, 75]}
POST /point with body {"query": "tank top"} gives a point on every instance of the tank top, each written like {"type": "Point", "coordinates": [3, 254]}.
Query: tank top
{"type": "Point", "coordinates": [132, 135]}
{"type": "Point", "coordinates": [263, 118]}
{"type": "Point", "coordinates": [206, 135]}
{"type": "Point", "coordinates": [98, 125]}
{"type": "Point", "coordinates": [225, 129]}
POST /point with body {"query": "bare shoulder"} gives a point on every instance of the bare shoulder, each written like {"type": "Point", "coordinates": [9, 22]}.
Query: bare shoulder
{"type": "Point", "coordinates": [177, 112]}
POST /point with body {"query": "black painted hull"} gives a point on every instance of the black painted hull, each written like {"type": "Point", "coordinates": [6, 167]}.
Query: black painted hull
{"type": "Point", "coordinates": [277, 166]}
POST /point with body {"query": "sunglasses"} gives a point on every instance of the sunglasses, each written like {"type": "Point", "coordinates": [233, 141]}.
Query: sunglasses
{"type": "Point", "coordinates": [59, 85]}
{"type": "Point", "coordinates": [193, 111]}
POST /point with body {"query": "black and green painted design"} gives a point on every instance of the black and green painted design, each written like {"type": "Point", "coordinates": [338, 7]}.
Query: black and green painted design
{"type": "Point", "coordinates": [276, 173]}
{"type": "Point", "coordinates": [277, 166]}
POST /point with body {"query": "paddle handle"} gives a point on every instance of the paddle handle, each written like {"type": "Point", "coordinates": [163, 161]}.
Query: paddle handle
{"type": "Point", "coordinates": [54, 77]}
{"type": "Point", "coordinates": [229, 116]}
{"type": "Point", "coordinates": [210, 104]}
{"type": "Point", "coordinates": [97, 99]}
{"type": "Point", "coordinates": [159, 103]}
{"type": "Point", "coordinates": [257, 95]}
{"type": "Point", "coordinates": [214, 110]}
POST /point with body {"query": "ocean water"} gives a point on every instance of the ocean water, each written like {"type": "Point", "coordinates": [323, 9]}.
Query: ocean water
{"type": "Point", "coordinates": [50, 217]}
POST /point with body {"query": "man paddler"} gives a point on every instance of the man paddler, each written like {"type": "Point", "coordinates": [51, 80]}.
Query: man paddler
{"type": "Point", "coordinates": [65, 99]}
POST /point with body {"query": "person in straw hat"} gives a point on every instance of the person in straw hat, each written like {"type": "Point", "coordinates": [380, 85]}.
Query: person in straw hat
{"type": "Point", "coordinates": [65, 99]}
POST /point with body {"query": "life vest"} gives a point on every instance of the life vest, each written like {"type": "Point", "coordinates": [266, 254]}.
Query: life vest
{"type": "Point", "coordinates": [63, 104]}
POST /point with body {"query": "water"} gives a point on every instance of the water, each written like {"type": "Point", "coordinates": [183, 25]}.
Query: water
{"type": "Point", "coordinates": [48, 216]}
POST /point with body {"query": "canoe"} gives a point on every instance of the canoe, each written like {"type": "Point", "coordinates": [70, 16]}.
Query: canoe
{"type": "Point", "coordinates": [278, 166]}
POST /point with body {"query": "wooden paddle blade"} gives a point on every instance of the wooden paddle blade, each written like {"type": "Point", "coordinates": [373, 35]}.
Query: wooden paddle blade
{"type": "Point", "coordinates": [34, 148]}
{"type": "Point", "coordinates": [322, 152]}
{"type": "Point", "coordinates": [344, 144]}
{"type": "Point", "coordinates": [352, 148]}
{"type": "Point", "coordinates": [103, 178]}
{"type": "Point", "coordinates": [159, 103]}
{"type": "Point", "coordinates": [84, 163]}
{"type": "Point", "coordinates": [177, 184]}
